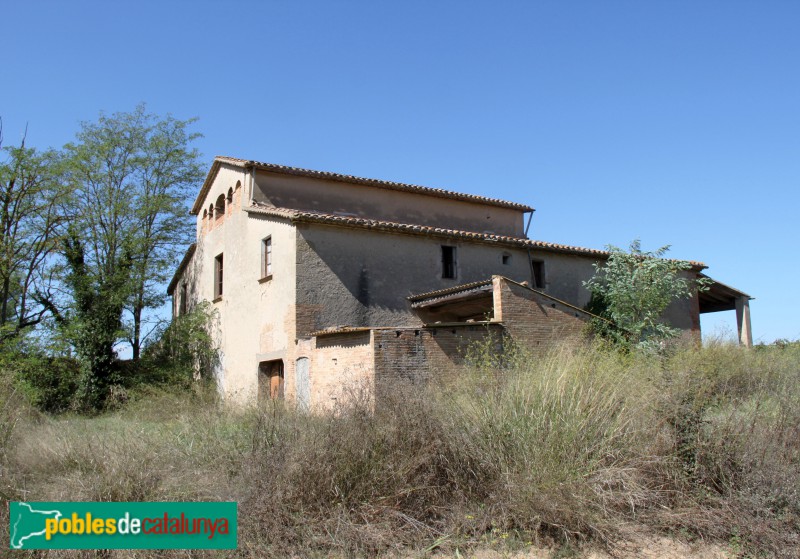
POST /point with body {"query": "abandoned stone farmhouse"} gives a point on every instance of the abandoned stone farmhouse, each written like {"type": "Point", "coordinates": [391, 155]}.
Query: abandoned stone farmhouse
{"type": "Point", "coordinates": [323, 281]}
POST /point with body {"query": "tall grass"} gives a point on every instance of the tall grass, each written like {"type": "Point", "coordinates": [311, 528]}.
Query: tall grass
{"type": "Point", "coordinates": [583, 443]}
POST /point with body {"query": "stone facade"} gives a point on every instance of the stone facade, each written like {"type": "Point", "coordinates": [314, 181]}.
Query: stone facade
{"type": "Point", "coordinates": [325, 286]}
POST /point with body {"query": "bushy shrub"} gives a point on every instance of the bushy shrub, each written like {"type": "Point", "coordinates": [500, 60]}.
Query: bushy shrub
{"type": "Point", "coordinates": [49, 383]}
{"type": "Point", "coordinates": [184, 352]}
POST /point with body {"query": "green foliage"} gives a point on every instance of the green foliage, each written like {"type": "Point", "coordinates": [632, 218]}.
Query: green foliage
{"type": "Point", "coordinates": [94, 323]}
{"type": "Point", "coordinates": [184, 352]}
{"type": "Point", "coordinates": [33, 197]}
{"type": "Point", "coordinates": [633, 288]}
{"type": "Point", "coordinates": [49, 383]}
{"type": "Point", "coordinates": [112, 205]}
{"type": "Point", "coordinates": [130, 173]}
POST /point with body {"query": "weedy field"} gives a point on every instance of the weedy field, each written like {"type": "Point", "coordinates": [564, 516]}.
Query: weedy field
{"type": "Point", "coordinates": [585, 446]}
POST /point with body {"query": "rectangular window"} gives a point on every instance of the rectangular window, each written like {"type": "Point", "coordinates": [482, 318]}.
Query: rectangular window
{"type": "Point", "coordinates": [537, 269]}
{"type": "Point", "coordinates": [182, 303]}
{"type": "Point", "coordinates": [218, 277]}
{"type": "Point", "coordinates": [448, 262]}
{"type": "Point", "coordinates": [266, 258]}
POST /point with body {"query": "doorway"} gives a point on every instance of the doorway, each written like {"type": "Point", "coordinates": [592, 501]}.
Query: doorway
{"type": "Point", "coordinates": [270, 380]}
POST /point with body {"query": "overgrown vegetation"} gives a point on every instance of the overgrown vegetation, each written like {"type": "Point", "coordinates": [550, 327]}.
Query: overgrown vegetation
{"type": "Point", "coordinates": [585, 444]}
{"type": "Point", "coordinates": [180, 358]}
{"type": "Point", "coordinates": [631, 290]}
{"type": "Point", "coordinates": [88, 235]}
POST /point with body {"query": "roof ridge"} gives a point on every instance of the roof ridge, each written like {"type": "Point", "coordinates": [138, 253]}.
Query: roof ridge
{"type": "Point", "coordinates": [353, 179]}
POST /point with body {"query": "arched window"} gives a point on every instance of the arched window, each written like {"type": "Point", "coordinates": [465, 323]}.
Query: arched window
{"type": "Point", "coordinates": [219, 207]}
{"type": "Point", "coordinates": [230, 195]}
{"type": "Point", "coordinates": [237, 194]}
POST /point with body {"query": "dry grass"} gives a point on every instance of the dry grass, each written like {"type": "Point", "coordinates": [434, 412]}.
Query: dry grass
{"type": "Point", "coordinates": [585, 444]}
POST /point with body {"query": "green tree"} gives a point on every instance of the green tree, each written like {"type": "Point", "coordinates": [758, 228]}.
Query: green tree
{"type": "Point", "coordinates": [633, 288]}
{"type": "Point", "coordinates": [32, 197]}
{"type": "Point", "coordinates": [167, 170]}
{"type": "Point", "coordinates": [131, 173]}
{"type": "Point", "coordinates": [93, 325]}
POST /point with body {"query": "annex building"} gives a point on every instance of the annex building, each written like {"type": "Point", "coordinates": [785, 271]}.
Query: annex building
{"type": "Point", "coordinates": [323, 281]}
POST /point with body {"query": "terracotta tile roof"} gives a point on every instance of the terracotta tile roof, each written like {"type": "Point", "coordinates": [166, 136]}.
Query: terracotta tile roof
{"type": "Point", "coordinates": [427, 230]}
{"type": "Point", "coordinates": [432, 296]}
{"type": "Point", "coordinates": [443, 294]}
{"type": "Point", "coordinates": [358, 329]}
{"type": "Point", "coordinates": [472, 294]}
{"type": "Point", "coordinates": [378, 183]}
{"type": "Point", "coordinates": [554, 299]}
{"type": "Point", "coordinates": [355, 329]}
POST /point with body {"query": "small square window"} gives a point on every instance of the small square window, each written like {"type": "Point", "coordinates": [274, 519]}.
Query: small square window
{"type": "Point", "coordinates": [448, 262]}
{"type": "Point", "coordinates": [506, 259]}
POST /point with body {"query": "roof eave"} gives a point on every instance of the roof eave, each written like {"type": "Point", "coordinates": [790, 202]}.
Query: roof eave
{"type": "Point", "coordinates": [184, 262]}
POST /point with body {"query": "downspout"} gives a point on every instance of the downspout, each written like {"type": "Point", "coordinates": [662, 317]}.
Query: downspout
{"type": "Point", "coordinates": [530, 218]}
{"type": "Point", "coordinates": [530, 256]}
{"type": "Point", "coordinates": [251, 186]}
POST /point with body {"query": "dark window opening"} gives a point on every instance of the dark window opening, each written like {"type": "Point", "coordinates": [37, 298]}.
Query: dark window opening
{"type": "Point", "coordinates": [448, 262]}
{"type": "Point", "coordinates": [182, 303]}
{"type": "Point", "coordinates": [537, 269]}
{"type": "Point", "coordinates": [506, 259]}
{"type": "Point", "coordinates": [218, 277]}
{"type": "Point", "coordinates": [219, 207]}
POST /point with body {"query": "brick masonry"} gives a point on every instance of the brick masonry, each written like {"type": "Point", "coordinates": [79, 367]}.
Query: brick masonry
{"type": "Point", "coordinates": [533, 319]}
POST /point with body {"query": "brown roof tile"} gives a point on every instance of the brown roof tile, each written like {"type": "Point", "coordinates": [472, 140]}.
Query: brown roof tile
{"type": "Point", "coordinates": [391, 185]}
{"type": "Point", "coordinates": [449, 291]}
{"type": "Point", "coordinates": [331, 219]}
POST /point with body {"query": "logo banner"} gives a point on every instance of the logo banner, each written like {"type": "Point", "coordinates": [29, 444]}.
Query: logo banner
{"type": "Point", "coordinates": [122, 525]}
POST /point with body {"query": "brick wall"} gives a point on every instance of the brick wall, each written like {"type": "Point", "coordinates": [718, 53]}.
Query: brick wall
{"type": "Point", "coordinates": [419, 356]}
{"type": "Point", "coordinates": [346, 364]}
{"type": "Point", "coordinates": [534, 320]}
{"type": "Point", "coordinates": [342, 367]}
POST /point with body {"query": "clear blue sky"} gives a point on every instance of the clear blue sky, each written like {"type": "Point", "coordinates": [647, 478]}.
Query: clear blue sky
{"type": "Point", "coordinates": [676, 122]}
